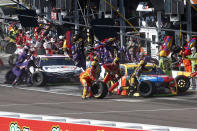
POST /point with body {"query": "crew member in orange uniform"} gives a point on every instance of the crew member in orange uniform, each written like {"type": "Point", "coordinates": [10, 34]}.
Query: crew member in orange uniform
{"type": "Point", "coordinates": [87, 78]}
{"type": "Point", "coordinates": [112, 70]}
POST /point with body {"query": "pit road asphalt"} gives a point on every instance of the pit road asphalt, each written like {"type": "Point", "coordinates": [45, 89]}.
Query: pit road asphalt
{"type": "Point", "coordinates": [65, 101]}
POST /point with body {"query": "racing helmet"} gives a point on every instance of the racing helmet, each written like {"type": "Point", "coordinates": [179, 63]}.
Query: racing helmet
{"type": "Point", "coordinates": [163, 53]}
{"type": "Point", "coordinates": [116, 60]}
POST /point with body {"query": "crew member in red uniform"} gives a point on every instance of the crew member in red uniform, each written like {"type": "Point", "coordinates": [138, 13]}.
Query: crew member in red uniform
{"type": "Point", "coordinates": [112, 70]}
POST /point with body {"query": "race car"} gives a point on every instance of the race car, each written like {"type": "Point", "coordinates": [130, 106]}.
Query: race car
{"type": "Point", "coordinates": [153, 82]}
{"type": "Point", "coordinates": [54, 69]}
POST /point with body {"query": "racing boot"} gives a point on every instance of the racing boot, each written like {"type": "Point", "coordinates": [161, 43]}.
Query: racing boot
{"type": "Point", "coordinates": [83, 97]}
{"type": "Point", "coordinates": [130, 91]}
{"type": "Point", "coordinates": [137, 93]}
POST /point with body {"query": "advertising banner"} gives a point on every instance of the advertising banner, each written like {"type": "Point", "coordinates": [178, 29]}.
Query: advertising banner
{"type": "Point", "coordinates": [14, 124]}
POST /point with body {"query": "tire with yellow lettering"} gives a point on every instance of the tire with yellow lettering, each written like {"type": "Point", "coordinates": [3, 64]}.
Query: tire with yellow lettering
{"type": "Point", "coordinates": [99, 90]}
{"type": "Point", "coordinates": [183, 83]}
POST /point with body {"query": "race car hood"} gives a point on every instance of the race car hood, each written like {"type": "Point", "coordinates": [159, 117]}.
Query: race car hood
{"type": "Point", "coordinates": [61, 69]}
{"type": "Point", "coordinates": [157, 78]}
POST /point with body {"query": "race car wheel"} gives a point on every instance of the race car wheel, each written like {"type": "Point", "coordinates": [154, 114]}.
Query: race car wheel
{"type": "Point", "coordinates": [99, 90]}
{"type": "Point", "coordinates": [10, 48]}
{"type": "Point", "coordinates": [9, 77]}
{"type": "Point", "coordinates": [12, 59]}
{"type": "Point", "coordinates": [38, 79]}
{"type": "Point", "coordinates": [183, 83]}
{"type": "Point", "coordinates": [146, 89]}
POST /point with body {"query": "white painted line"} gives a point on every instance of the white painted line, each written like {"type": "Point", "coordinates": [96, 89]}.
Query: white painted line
{"type": "Point", "coordinates": [41, 90]}
{"type": "Point", "coordinates": [4, 85]}
{"type": "Point", "coordinates": [130, 100]}
{"type": "Point", "coordinates": [52, 92]}
{"type": "Point", "coordinates": [129, 111]}
{"type": "Point", "coordinates": [177, 99]}
{"type": "Point", "coordinates": [56, 103]}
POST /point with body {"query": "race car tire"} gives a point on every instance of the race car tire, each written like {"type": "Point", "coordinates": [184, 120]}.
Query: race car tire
{"type": "Point", "coordinates": [12, 59]}
{"type": "Point", "coordinates": [183, 83]}
{"type": "Point", "coordinates": [99, 90]}
{"type": "Point", "coordinates": [38, 79]}
{"type": "Point", "coordinates": [146, 89]}
{"type": "Point", "coordinates": [9, 77]}
{"type": "Point", "coordinates": [10, 48]}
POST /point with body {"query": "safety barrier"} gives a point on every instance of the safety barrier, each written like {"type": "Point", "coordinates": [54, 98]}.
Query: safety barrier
{"type": "Point", "coordinates": [28, 122]}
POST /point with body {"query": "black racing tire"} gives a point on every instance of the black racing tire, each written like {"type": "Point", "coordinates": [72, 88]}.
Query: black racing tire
{"type": "Point", "coordinates": [9, 77]}
{"type": "Point", "coordinates": [10, 48]}
{"type": "Point", "coordinates": [38, 79]}
{"type": "Point", "coordinates": [12, 59]}
{"type": "Point", "coordinates": [183, 83]}
{"type": "Point", "coordinates": [146, 89]}
{"type": "Point", "coordinates": [99, 90]}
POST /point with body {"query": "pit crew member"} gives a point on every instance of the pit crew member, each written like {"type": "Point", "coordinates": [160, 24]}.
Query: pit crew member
{"type": "Point", "coordinates": [136, 74]}
{"type": "Point", "coordinates": [112, 70]}
{"type": "Point", "coordinates": [87, 78]}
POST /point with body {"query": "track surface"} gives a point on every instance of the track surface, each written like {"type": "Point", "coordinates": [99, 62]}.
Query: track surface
{"type": "Point", "coordinates": [65, 101]}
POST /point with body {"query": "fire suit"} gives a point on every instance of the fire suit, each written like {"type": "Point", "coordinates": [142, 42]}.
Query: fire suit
{"type": "Point", "coordinates": [138, 71]}
{"type": "Point", "coordinates": [87, 78]}
{"type": "Point", "coordinates": [112, 70]}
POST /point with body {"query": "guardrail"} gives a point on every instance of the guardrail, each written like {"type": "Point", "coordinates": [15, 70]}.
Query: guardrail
{"type": "Point", "coordinates": [25, 122]}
